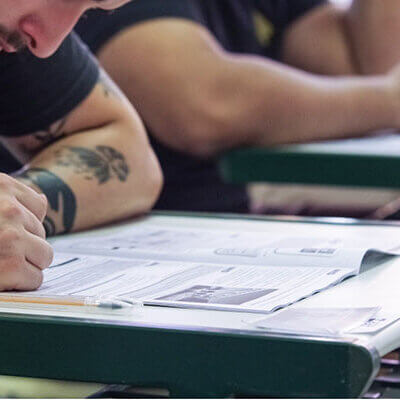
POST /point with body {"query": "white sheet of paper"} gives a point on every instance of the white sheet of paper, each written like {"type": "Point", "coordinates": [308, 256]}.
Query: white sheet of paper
{"type": "Point", "coordinates": [316, 321]}
{"type": "Point", "coordinates": [376, 323]}
{"type": "Point", "coordinates": [231, 247]}
{"type": "Point", "coordinates": [193, 267]}
{"type": "Point", "coordinates": [186, 285]}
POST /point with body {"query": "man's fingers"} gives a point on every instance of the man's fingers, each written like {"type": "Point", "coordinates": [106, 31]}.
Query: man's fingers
{"type": "Point", "coordinates": [33, 225]}
{"type": "Point", "coordinates": [29, 277]}
{"type": "Point", "coordinates": [13, 213]}
{"type": "Point", "coordinates": [17, 273]}
{"type": "Point", "coordinates": [38, 252]}
{"type": "Point", "coordinates": [34, 202]}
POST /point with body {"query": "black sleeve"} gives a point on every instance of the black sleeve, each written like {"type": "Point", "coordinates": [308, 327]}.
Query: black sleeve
{"type": "Point", "coordinates": [38, 92]}
{"type": "Point", "coordinates": [298, 8]}
{"type": "Point", "coordinates": [282, 13]}
{"type": "Point", "coordinates": [97, 26]}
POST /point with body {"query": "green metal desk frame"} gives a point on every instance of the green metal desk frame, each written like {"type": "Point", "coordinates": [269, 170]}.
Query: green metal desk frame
{"type": "Point", "coordinates": [286, 165]}
{"type": "Point", "coordinates": [189, 363]}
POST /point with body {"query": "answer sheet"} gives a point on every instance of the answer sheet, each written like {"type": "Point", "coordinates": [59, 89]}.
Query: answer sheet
{"type": "Point", "coordinates": [183, 284]}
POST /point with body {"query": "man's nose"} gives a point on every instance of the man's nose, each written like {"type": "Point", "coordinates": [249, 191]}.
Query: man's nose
{"type": "Point", "coordinates": [45, 33]}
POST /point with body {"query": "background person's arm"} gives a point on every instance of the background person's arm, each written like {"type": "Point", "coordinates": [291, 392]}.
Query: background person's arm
{"type": "Point", "coordinates": [374, 29]}
{"type": "Point", "coordinates": [358, 40]}
{"type": "Point", "coordinates": [200, 99]}
{"type": "Point", "coordinates": [94, 166]}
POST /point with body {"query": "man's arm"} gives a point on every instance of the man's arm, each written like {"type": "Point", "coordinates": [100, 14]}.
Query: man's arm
{"type": "Point", "coordinates": [94, 166]}
{"type": "Point", "coordinates": [197, 98]}
{"type": "Point", "coordinates": [335, 41]}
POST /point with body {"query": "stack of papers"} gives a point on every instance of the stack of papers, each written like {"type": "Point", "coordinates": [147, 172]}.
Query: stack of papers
{"type": "Point", "coordinates": [203, 268]}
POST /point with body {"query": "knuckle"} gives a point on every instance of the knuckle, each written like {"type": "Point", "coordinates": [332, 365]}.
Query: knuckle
{"type": "Point", "coordinates": [5, 181]}
{"type": "Point", "coordinates": [28, 280]}
{"type": "Point", "coordinates": [10, 272]}
{"type": "Point", "coordinates": [17, 275]}
{"type": "Point", "coordinates": [42, 205]}
{"type": "Point", "coordinates": [48, 255]}
{"type": "Point", "coordinates": [44, 201]}
{"type": "Point", "coordinates": [37, 228]}
{"type": "Point", "coordinates": [35, 282]}
{"type": "Point", "coordinates": [10, 210]}
{"type": "Point", "coordinates": [40, 231]}
{"type": "Point", "coordinates": [9, 234]}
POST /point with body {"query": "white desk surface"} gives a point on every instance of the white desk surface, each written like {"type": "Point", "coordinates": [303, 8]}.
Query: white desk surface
{"type": "Point", "coordinates": [377, 287]}
{"type": "Point", "coordinates": [386, 145]}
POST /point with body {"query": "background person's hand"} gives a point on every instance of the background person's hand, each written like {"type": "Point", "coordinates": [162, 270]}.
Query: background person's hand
{"type": "Point", "coordinates": [24, 251]}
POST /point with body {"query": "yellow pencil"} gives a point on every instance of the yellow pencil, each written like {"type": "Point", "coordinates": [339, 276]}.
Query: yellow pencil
{"type": "Point", "coordinates": [66, 301]}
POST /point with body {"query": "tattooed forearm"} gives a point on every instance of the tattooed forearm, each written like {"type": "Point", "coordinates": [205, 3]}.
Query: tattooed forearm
{"type": "Point", "coordinates": [103, 163]}
{"type": "Point", "coordinates": [62, 201]}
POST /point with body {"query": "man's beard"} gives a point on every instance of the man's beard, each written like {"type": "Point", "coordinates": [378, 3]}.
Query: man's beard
{"type": "Point", "coordinates": [12, 38]}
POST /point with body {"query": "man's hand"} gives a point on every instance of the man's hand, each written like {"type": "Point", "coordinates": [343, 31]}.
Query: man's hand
{"type": "Point", "coordinates": [24, 252]}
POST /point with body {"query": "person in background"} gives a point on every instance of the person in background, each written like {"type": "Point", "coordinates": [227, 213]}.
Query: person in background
{"type": "Point", "coordinates": [208, 76]}
{"type": "Point", "coordinates": [87, 160]}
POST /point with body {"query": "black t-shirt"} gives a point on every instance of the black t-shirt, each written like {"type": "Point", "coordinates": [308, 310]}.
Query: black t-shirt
{"type": "Point", "coordinates": [38, 92]}
{"type": "Point", "coordinates": [240, 26]}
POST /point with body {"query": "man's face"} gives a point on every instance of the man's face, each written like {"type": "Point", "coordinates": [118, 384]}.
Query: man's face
{"type": "Point", "coordinates": [42, 25]}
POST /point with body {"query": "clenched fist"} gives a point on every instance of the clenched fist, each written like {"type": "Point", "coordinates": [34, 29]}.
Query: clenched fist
{"type": "Point", "coordinates": [24, 251]}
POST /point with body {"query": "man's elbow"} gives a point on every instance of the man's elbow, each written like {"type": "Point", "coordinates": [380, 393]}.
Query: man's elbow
{"type": "Point", "coordinates": [155, 183]}
{"type": "Point", "coordinates": [152, 181]}
{"type": "Point", "coordinates": [144, 181]}
{"type": "Point", "coordinates": [207, 132]}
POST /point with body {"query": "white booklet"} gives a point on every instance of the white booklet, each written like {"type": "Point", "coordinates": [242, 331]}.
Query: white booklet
{"type": "Point", "coordinates": [206, 268]}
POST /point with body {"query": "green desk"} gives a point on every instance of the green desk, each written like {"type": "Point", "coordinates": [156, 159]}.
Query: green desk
{"type": "Point", "coordinates": [185, 361]}
{"type": "Point", "coordinates": [198, 353]}
{"type": "Point", "coordinates": [371, 162]}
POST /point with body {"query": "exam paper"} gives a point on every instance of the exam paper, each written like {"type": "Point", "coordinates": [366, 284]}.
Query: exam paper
{"type": "Point", "coordinates": [245, 248]}
{"type": "Point", "coordinates": [214, 269]}
{"type": "Point", "coordinates": [187, 285]}
{"type": "Point", "coordinates": [217, 269]}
